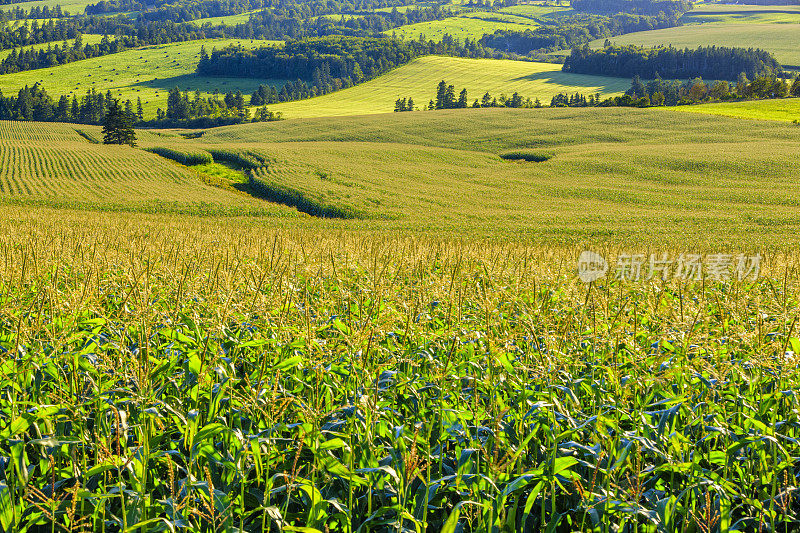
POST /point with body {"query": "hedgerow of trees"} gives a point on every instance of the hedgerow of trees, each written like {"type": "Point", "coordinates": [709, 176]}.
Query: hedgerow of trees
{"type": "Point", "coordinates": [716, 62]}
{"type": "Point", "coordinates": [658, 92]}
{"type": "Point", "coordinates": [640, 7]}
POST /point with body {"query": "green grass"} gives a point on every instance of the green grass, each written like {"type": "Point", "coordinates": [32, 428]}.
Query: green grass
{"type": "Point", "coordinates": [462, 27]}
{"type": "Point", "coordinates": [784, 109]}
{"type": "Point", "coordinates": [779, 39]}
{"type": "Point", "coordinates": [229, 20]}
{"type": "Point", "coordinates": [419, 78]}
{"type": "Point", "coordinates": [148, 73]}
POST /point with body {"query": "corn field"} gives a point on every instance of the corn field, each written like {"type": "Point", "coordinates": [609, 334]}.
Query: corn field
{"type": "Point", "coordinates": [193, 375]}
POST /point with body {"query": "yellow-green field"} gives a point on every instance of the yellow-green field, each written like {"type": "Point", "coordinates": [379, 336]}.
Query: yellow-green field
{"type": "Point", "coordinates": [469, 26]}
{"type": "Point", "coordinates": [752, 14]}
{"type": "Point", "coordinates": [229, 20]}
{"type": "Point", "coordinates": [779, 39]}
{"type": "Point", "coordinates": [148, 73]}
{"type": "Point", "coordinates": [419, 78]}
{"type": "Point", "coordinates": [785, 109]}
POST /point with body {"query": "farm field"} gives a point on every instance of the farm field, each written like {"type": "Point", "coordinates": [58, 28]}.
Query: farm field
{"type": "Point", "coordinates": [779, 39]}
{"type": "Point", "coordinates": [234, 375]}
{"type": "Point", "coordinates": [471, 26]}
{"type": "Point", "coordinates": [434, 364]}
{"type": "Point", "coordinates": [54, 164]}
{"type": "Point", "coordinates": [419, 78]}
{"type": "Point", "coordinates": [148, 73]}
{"type": "Point", "coordinates": [230, 20]}
{"type": "Point", "coordinates": [537, 11]}
{"type": "Point", "coordinates": [787, 109]}
{"type": "Point", "coordinates": [604, 170]}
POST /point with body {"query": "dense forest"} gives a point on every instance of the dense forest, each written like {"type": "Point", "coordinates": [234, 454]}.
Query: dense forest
{"type": "Point", "coordinates": [715, 62]}
{"type": "Point", "coordinates": [572, 30]}
{"type": "Point", "coordinates": [639, 7]}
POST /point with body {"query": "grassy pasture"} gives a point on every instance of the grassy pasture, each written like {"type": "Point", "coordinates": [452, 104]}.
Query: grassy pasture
{"type": "Point", "coordinates": [53, 164]}
{"type": "Point", "coordinates": [537, 11]}
{"type": "Point", "coordinates": [779, 39]}
{"type": "Point", "coordinates": [471, 26]}
{"type": "Point", "coordinates": [419, 78]}
{"type": "Point", "coordinates": [148, 72]}
{"type": "Point", "coordinates": [229, 20]}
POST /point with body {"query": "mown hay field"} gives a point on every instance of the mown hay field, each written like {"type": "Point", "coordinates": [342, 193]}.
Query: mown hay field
{"type": "Point", "coordinates": [199, 374]}
{"type": "Point", "coordinates": [419, 79]}
{"type": "Point", "coordinates": [147, 73]}
{"type": "Point", "coordinates": [469, 26]}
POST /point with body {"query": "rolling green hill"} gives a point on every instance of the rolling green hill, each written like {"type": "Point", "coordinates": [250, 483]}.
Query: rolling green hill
{"type": "Point", "coordinates": [73, 7]}
{"type": "Point", "coordinates": [618, 171]}
{"type": "Point", "coordinates": [148, 72]}
{"type": "Point", "coordinates": [419, 78]}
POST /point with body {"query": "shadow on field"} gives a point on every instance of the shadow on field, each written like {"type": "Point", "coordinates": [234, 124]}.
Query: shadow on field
{"type": "Point", "coordinates": [193, 82]}
{"type": "Point", "coordinates": [562, 79]}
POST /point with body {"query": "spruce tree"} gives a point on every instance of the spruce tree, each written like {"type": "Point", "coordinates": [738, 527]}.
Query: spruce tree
{"type": "Point", "coordinates": [117, 126]}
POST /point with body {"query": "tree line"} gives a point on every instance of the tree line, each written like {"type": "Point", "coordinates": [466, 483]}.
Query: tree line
{"type": "Point", "coordinates": [66, 53]}
{"type": "Point", "coordinates": [716, 62]}
{"type": "Point", "coordinates": [638, 7]}
{"type": "Point", "coordinates": [446, 99]}
{"type": "Point", "coordinates": [660, 92]}
{"type": "Point", "coordinates": [34, 103]}
{"type": "Point", "coordinates": [572, 30]}
{"type": "Point", "coordinates": [69, 28]}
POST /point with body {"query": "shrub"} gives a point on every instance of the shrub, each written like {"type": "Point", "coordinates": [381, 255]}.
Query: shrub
{"type": "Point", "coordinates": [531, 156]}
{"type": "Point", "coordinates": [184, 157]}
